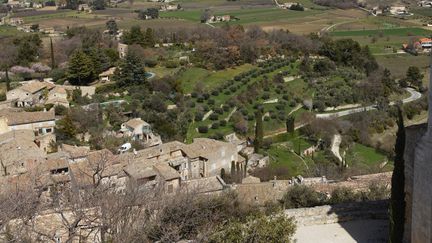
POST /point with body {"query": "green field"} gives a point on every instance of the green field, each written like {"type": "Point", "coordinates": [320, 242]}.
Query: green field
{"type": "Point", "coordinates": [383, 32]}
{"type": "Point", "coordinates": [245, 16]}
{"type": "Point", "coordinates": [398, 64]}
{"type": "Point", "coordinates": [10, 31]}
{"type": "Point", "coordinates": [364, 157]}
{"type": "Point", "coordinates": [192, 76]}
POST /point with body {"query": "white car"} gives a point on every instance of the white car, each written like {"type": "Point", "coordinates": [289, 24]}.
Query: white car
{"type": "Point", "coordinates": [125, 147]}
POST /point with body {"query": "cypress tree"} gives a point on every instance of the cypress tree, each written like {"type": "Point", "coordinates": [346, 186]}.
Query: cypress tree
{"type": "Point", "coordinates": [397, 201]}
{"type": "Point", "coordinates": [52, 54]}
{"type": "Point", "coordinates": [290, 124]}
{"type": "Point", "coordinates": [259, 131]}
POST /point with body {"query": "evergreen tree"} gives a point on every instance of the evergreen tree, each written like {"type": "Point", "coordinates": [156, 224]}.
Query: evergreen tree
{"type": "Point", "coordinates": [259, 131]}
{"type": "Point", "coordinates": [149, 37]}
{"type": "Point", "coordinates": [99, 59]}
{"type": "Point", "coordinates": [52, 54]}
{"type": "Point", "coordinates": [80, 69]}
{"type": "Point", "coordinates": [28, 48]}
{"type": "Point", "coordinates": [134, 36]}
{"type": "Point", "coordinates": [414, 76]}
{"type": "Point", "coordinates": [131, 71]}
{"type": "Point", "coordinates": [65, 129]}
{"type": "Point", "coordinates": [397, 201]}
{"type": "Point", "coordinates": [290, 124]}
{"type": "Point", "coordinates": [98, 4]}
{"type": "Point", "coordinates": [111, 26]}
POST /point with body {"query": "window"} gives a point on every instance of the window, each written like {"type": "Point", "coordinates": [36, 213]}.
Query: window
{"type": "Point", "coordinates": [48, 130]}
{"type": "Point", "coordinates": [60, 171]}
{"type": "Point", "coordinates": [170, 188]}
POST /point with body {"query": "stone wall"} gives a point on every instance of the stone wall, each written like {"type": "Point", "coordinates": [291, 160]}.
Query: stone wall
{"type": "Point", "coordinates": [329, 214]}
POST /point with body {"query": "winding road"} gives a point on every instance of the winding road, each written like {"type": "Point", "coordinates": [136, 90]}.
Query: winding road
{"type": "Point", "coordinates": [415, 95]}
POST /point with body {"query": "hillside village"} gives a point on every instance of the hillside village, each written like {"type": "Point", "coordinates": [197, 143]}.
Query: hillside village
{"type": "Point", "coordinates": [185, 121]}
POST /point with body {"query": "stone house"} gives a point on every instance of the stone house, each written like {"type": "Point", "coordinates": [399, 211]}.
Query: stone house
{"type": "Point", "coordinates": [42, 124]}
{"type": "Point", "coordinates": [30, 94]}
{"type": "Point", "coordinates": [84, 8]}
{"type": "Point", "coordinates": [106, 76]}
{"type": "Point", "coordinates": [159, 177]}
{"type": "Point", "coordinates": [138, 129]}
{"type": "Point", "coordinates": [19, 152]}
{"type": "Point", "coordinates": [15, 21]}
{"type": "Point", "coordinates": [208, 157]}
{"type": "Point", "coordinates": [58, 96]}
{"type": "Point", "coordinates": [122, 50]}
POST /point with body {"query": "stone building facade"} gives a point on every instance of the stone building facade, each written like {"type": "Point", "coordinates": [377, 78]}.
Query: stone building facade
{"type": "Point", "coordinates": [418, 179]}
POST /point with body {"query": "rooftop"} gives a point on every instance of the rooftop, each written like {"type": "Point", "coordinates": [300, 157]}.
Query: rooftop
{"type": "Point", "coordinates": [16, 117]}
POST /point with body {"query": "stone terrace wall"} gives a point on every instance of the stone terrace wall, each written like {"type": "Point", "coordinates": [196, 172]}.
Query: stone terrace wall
{"type": "Point", "coordinates": [330, 214]}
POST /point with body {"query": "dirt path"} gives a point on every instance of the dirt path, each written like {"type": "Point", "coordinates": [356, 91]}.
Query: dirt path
{"type": "Point", "coordinates": [415, 95]}
{"type": "Point", "coordinates": [336, 141]}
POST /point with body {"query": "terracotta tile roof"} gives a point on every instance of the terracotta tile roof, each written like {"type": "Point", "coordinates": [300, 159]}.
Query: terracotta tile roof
{"type": "Point", "coordinates": [166, 171]}
{"type": "Point", "coordinates": [56, 100]}
{"type": "Point", "coordinates": [425, 40]}
{"type": "Point", "coordinates": [58, 90]}
{"type": "Point", "coordinates": [35, 86]}
{"type": "Point", "coordinates": [108, 72]}
{"type": "Point", "coordinates": [19, 152]}
{"type": "Point", "coordinates": [134, 123]}
{"type": "Point", "coordinates": [23, 117]}
{"type": "Point", "coordinates": [201, 147]}
{"type": "Point", "coordinates": [75, 151]}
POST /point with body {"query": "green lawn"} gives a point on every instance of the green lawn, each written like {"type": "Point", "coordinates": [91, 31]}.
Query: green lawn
{"type": "Point", "coordinates": [383, 32]}
{"type": "Point", "coordinates": [10, 31]}
{"type": "Point", "coordinates": [360, 154]}
{"type": "Point", "coordinates": [192, 76]}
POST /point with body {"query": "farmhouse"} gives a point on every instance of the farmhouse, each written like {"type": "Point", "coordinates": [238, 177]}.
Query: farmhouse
{"type": "Point", "coordinates": [426, 43]}
{"type": "Point", "coordinates": [15, 21]}
{"type": "Point", "coordinates": [29, 94]}
{"type": "Point", "coordinates": [84, 8]}
{"type": "Point", "coordinates": [170, 7]}
{"type": "Point", "coordinates": [425, 4]}
{"type": "Point", "coordinates": [107, 75]}
{"type": "Point", "coordinates": [399, 10]}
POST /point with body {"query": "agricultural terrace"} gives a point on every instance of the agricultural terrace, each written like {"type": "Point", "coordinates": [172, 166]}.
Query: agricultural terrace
{"type": "Point", "coordinates": [386, 40]}
{"type": "Point", "coordinates": [286, 162]}
{"type": "Point", "coordinates": [221, 106]}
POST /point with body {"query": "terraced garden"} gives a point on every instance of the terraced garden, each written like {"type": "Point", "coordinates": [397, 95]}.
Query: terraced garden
{"type": "Point", "coordinates": [219, 110]}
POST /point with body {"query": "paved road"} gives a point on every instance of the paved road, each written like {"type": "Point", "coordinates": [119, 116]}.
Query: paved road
{"type": "Point", "coordinates": [361, 231]}
{"type": "Point", "coordinates": [414, 96]}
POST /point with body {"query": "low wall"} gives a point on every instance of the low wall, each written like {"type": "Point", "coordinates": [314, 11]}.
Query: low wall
{"type": "Point", "coordinates": [329, 214]}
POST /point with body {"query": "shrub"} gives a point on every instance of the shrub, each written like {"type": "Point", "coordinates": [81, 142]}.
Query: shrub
{"type": "Point", "coordinates": [225, 108]}
{"type": "Point", "coordinates": [267, 118]}
{"type": "Point", "coordinates": [203, 129]}
{"type": "Point", "coordinates": [300, 196]}
{"type": "Point", "coordinates": [223, 123]}
{"type": "Point", "coordinates": [171, 64]}
{"type": "Point", "coordinates": [198, 116]}
{"type": "Point", "coordinates": [215, 125]}
{"type": "Point", "coordinates": [215, 93]}
{"type": "Point", "coordinates": [219, 110]}
{"type": "Point", "coordinates": [344, 195]}
{"type": "Point", "coordinates": [211, 101]}
{"type": "Point", "coordinates": [214, 117]}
